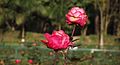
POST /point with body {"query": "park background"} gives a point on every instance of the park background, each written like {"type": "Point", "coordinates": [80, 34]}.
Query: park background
{"type": "Point", "coordinates": [23, 23]}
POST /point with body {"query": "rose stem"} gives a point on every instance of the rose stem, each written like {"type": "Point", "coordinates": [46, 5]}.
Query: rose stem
{"type": "Point", "coordinates": [64, 57]}
{"type": "Point", "coordinates": [56, 58]}
{"type": "Point", "coordinates": [73, 31]}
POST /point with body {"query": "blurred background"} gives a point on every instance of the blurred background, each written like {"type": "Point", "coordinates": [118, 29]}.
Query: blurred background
{"type": "Point", "coordinates": [27, 21]}
{"type": "Point", "coordinates": [40, 16]}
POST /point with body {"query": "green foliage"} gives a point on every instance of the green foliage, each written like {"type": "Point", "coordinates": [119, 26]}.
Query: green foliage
{"type": "Point", "coordinates": [20, 18]}
{"type": "Point", "coordinates": [1, 19]}
{"type": "Point", "coordinates": [55, 10]}
{"type": "Point", "coordinates": [42, 56]}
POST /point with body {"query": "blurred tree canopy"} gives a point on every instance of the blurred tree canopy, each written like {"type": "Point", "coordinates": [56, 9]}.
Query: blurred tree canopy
{"type": "Point", "coordinates": [48, 15]}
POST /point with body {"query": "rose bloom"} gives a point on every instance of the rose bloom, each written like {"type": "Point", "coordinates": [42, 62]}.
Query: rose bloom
{"type": "Point", "coordinates": [57, 41]}
{"type": "Point", "coordinates": [76, 15]}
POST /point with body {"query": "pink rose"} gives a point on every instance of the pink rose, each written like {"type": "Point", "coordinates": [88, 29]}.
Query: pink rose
{"type": "Point", "coordinates": [77, 16]}
{"type": "Point", "coordinates": [57, 41]}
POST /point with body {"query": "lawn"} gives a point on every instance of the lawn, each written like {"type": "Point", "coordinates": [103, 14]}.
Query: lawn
{"type": "Point", "coordinates": [12, 49]}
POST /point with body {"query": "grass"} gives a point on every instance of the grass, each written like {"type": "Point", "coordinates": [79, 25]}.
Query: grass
{"type": "Point", "coordinates": [14, 37]}
{"type": "Point", "coordinates": [41, 54]}
{"type": "Point", "coordinates": [94, 40]}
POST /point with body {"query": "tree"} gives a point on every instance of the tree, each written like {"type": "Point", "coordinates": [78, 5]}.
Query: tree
{"type": "Point", "coordinates": [14, 13]}
{"type": "Point", "coordinates": [107, 10]}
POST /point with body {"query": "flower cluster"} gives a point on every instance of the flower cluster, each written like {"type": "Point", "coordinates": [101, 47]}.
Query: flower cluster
{"type": "Point", "coordinates": [59, 40]}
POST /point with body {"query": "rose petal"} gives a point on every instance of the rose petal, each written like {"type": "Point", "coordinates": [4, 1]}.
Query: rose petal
{"type": "Point", "coordinates": [56, 33]}
{"type": "Point", "coordinates": [77, 14]}
{"type": "Point", "coordinates": [44, 41]}
{"type": "Point", "coordinates": [73, 19]}
{"type": "Point", "coordinates": [81, 10]}
{"type": "Point", "coordinates": [69, 22]}
{"type": "Point", "coordinates": [70, 14]}
{"type": "Point", "coordinates": [72, 10]}
{"type": "Point", "coordinates": [47, 36]}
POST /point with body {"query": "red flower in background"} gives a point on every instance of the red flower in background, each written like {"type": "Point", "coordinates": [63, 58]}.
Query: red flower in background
{"type": "Point", "coordinates": [34, 44]}
{"type": "Point", "coordinates": [30, 61]}
{"type": "Point", "coordinates": [17, 61]}
{"type": "Point", "coordinates": [76, 16]}
{"type": "Point", "coordinates": [58, 40]}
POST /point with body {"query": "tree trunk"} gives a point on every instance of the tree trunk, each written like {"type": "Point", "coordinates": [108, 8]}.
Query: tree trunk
{"type": "Point", "coordinates": [107, 21]}
{"type": "Point", "coordinates": [105, 28]}
{"type": "Point", "coordinates": [23, 34]}
{"type": "Point", "coordinates": [13, 28]}
{"type": "Point", "coordinates": [118, 29]}
{"type": "Point", "coordinates": [97, 26]}
{"type": "Point", "coordinates": [101, 43]}
{"type": "Point", "coordinates": [84, 31]}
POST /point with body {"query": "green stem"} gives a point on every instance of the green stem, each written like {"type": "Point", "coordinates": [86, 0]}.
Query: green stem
{"type": "Point", "coordinates": [56, 58]}
{"type": "Point", "coordinates": [73, 31]}
{"type": "Point", "coordinates": [64, 57]}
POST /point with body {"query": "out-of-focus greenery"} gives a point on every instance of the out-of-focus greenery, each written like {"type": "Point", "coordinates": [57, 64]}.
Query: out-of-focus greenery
{"type": "Point", "coordinates": [19, 11]}
{"type": "Point", "coordinates": [48, 15]}
{"type": "Point", "coordinates": [45, 56]}
{"type": "Point", "coordinates": [13, 38]}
